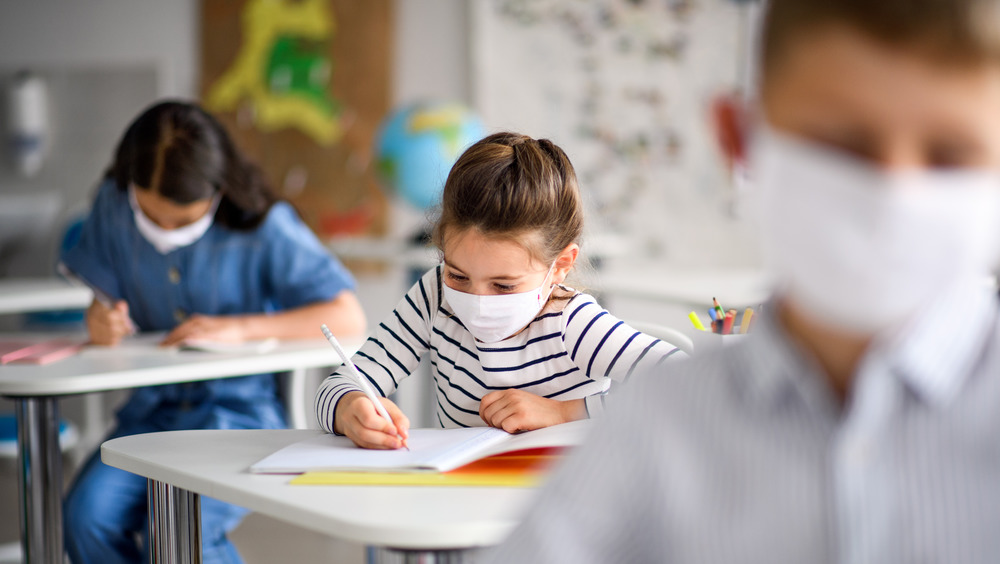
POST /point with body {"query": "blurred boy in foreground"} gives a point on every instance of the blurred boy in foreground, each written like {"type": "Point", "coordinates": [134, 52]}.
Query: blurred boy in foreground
{"type": "Point", "coordinates": [861, 422]}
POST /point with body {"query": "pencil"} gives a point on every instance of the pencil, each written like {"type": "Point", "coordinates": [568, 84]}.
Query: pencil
{"type": "Point", "coordinates": [727, 323]}
{"type": "Point", "coordinates": [366, 387]}
{"type": "Point", "coordinates": [696, 321]}
{"type": "Point", "coordinates": [745, 324]}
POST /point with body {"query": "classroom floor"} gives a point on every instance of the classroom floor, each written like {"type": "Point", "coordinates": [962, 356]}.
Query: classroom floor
{"type": "Point", "coordinates": [263, 540]}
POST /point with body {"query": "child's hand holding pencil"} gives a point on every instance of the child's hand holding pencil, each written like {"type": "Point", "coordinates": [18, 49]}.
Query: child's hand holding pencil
{"type": "Point", "coordinates": [366, 418]}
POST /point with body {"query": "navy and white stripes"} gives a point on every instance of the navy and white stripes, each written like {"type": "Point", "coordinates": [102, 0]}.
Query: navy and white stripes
{"type": "Point", "coordinates": [572, 350]}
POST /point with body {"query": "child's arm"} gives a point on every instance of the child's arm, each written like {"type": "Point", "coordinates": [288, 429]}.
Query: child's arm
{"type": "Point", "coordinates": [604, 347]}
{"type": "Point", "coordinates": [342, 314]}
{"type": "Point", "coordinates": [299, 278]}
{"type": "Point", "coordinates": [390, 354]}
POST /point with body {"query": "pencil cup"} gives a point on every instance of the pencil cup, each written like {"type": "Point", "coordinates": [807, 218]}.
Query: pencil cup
{"type": "Point", "coordinates": [708, 341]}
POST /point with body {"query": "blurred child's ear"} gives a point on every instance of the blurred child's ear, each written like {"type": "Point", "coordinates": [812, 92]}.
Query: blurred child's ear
{"type": "Point", "coordinates": [730, 125]}
{"type": "Point", "coordinates": [564, 263]}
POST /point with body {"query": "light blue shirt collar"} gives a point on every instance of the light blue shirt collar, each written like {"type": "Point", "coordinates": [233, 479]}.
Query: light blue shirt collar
{"type": "Point", "coordinates": [932, 355]}
{"type": "Point", "coordinates": [935, 353]}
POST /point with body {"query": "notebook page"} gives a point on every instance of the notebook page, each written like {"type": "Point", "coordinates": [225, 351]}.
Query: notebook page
{"type": "Point", "coordinates": [330, 452]}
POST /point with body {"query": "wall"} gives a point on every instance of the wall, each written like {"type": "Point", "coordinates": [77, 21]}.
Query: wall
{"type": "Point", "coordinates": [103, 60]}
{"type": "Point", "coordinates": [64, 34]}
{"type": "Point", "coordinates": [106, 59]}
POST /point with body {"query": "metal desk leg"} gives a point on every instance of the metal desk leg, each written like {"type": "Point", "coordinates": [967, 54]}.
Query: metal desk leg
{"type": "Point", "coordinates": [295, 399]}
{"type": "Point", "coordinates": [174, 524]}
{"type": "Point", "coordinates": [384, 555]}
{"type": "Point", "coordinates": [39, 479]}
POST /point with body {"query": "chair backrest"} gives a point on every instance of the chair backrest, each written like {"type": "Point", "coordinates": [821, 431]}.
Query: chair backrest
{"type": "Point", "coordinates": [665, 334]}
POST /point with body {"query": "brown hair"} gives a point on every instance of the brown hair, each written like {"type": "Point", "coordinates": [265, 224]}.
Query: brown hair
{"type": "Point", "coordinates": [181, 152]}
{"type": "Point", "coordinates": [514, 187]}
{"type": "Point", "coordinates": [952, 31]}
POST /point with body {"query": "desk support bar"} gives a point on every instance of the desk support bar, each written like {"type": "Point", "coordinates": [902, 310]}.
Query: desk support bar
{"type": "Point", "coordinates": [174, 524]}
{"type": "Point", "coordinates": [39, 479]}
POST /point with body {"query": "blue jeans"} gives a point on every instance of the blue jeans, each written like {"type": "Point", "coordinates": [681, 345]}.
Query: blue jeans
{"type": "Point", "coordinates": [105, 512]}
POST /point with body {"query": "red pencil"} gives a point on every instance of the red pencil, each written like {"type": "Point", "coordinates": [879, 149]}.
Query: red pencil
{"type": "Point", "coordinates": [727, 323]}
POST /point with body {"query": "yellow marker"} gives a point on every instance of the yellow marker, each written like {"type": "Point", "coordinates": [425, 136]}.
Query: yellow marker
{"type": "Point", "coordinates": [696, 321]}
{"type": "Point", "coordinates": [745, 324]}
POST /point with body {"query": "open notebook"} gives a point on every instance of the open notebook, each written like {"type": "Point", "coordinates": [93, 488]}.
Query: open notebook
{"type": "Point", "coordinates": [431, 450]}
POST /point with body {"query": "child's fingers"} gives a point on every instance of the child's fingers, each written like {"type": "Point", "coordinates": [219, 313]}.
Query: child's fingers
{"type": "Point", "coordinates": [492, 403]}
{"type": "Point", "coordinates": [500, 415]}
{"type": "Point", "coordinates": [400, 420]}
{"type": "Point", "coordinates": [119, 322]}
{"type": "Point", "coordinates": [370, 438]}
{"type": "Point", "coordinates": [121, 308]}
{"type": "Point", "coordinates": [182, 332]}
{"type": "Point", "coordinates": [107, 326]}
{"type": "Point", "coordinates": [512, 422]}
{"type": "Point", "coordinates": [368, 416]}
{"type": "Point", "coordinates": [488, 401]}
{"type": "Point", "coordinates": [371, 430]}
{"type": "Point", "coordinates": [507, 414]}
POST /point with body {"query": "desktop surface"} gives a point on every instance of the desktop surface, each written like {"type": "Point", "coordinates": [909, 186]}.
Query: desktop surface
{"type": "Point", "coordinates": [215, 463]}
{"type": "Point", "coordinates": [140, 362]}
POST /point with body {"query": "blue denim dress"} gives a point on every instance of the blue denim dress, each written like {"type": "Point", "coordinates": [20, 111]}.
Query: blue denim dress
{"type": "Point", "coordinates": [277, 266]}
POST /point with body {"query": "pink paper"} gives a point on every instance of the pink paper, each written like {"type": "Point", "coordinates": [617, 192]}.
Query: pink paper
{"type": "Point", "coordinates": [50, 351]}
{"type": "Point", "coordinates": [13, 350]}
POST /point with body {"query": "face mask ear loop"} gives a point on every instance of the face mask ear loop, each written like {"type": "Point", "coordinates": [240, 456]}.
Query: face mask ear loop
{"type": "Point", "coordinates": [551, 285]}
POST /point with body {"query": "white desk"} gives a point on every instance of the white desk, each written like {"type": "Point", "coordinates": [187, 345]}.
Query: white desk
{"type": "Point", "coordinates": [36, 391]}
{"type": "Point", "coordinates": [182, 465]}
{"type": "Point", "coordinates": [23, 295]}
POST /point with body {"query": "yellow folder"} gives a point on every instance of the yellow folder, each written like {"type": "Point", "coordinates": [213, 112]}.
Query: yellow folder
{"type": "Point", "coordinates": [524, 469]}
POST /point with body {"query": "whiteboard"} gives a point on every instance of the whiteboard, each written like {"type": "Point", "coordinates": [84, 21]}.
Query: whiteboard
{"type": "Point", "coordinates": [624, 87]}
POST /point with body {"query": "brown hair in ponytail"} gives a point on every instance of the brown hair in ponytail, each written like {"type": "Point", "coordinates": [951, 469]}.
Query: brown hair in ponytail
{"type": "Point", "coordinates": [513, 187]}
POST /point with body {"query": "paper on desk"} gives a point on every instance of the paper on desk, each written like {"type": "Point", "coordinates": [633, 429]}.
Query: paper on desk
{"type": "Point", "coordinates": [142, 344]}
{"type": "Point", "coordinates": [246, 347]}
{"type": "Point", "coordinates": [145, 344]}
{"type": "Point", "coordinates": [431, 450]}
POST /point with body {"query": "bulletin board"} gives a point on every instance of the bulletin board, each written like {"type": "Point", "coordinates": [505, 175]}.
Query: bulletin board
{"type": "Point", "coordinates": [302, 86]}
{"type": "Point", "coordinates": [624, 86]}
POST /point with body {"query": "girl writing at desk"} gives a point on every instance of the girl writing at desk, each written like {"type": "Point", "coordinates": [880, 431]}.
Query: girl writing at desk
{"type": "Point", "coordinates": [509, 345]}
{"type": "Point", "coordinates": [189, 239]}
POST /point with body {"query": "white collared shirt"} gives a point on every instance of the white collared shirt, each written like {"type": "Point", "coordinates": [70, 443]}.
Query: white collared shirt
{"type": "Point", "coordinates": [746, 456]}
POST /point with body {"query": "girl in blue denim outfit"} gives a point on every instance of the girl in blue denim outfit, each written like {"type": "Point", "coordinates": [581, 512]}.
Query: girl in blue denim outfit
{"type": "Point", "coordinates": [188, 238]}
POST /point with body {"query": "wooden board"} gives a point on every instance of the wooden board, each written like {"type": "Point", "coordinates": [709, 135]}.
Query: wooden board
{"type": "Point", "coordinates": [329, 180]}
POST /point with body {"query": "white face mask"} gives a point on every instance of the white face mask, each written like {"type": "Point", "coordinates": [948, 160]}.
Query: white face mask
{"type": "Point", "coordinates": [167, 240]}
{"type": "Point", "coordinates": [862, 249]}
{"type": "Point", "coordinates": [493, 318]}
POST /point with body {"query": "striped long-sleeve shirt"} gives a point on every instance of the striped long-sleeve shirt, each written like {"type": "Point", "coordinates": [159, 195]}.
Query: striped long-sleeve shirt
{"type": "Point", "coordinates": [573, 349]}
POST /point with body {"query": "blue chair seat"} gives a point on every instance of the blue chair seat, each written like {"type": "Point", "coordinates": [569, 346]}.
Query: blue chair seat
{"type": "Point", "coordinates": [68, 435]}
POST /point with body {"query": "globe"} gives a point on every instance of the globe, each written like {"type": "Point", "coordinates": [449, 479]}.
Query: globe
{"type": "Point", "coordinates": [417, 146]}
